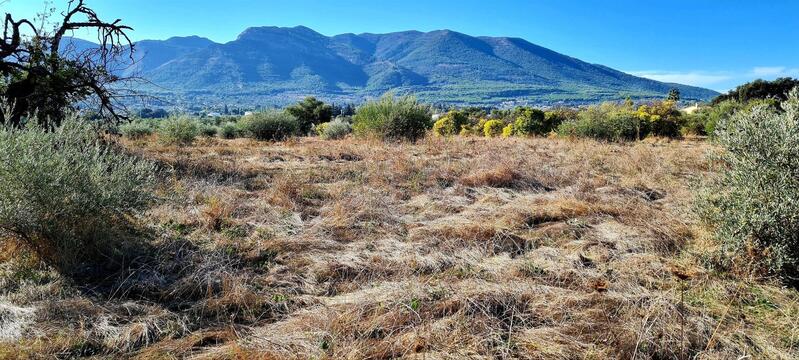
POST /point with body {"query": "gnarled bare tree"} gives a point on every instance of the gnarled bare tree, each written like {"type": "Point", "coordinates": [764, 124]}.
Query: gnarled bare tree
{"type": "Point", "coordinates": [43, 72]}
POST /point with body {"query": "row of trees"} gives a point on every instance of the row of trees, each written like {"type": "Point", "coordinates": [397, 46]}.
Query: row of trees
{"type": "Point", "coordinates": [759, 90]}
{"type": "Point", "coordinates": [607, 121]}
{"type": "Point", "coordinates": [744, 98]}
{"type": "Point", "coordinates": [612, 121]}
{"type": "Point", "coordinates": [387, 118]}
{"type": "Point", "coordinates": [405, 118]}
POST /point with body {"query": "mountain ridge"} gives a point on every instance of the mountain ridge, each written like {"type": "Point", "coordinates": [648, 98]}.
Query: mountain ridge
{"type": "Point", "coordinates": [279, 64]}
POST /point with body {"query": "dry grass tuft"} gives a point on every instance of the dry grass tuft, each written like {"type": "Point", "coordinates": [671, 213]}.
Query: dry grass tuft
{"type": "Point", "coordinates": [216, 213]}
{"type": "Point", "coordinates": [503, 176]}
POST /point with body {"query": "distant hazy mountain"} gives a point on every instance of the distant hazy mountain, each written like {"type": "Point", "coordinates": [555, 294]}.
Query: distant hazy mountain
{"type": "Point", "coordinates": [281, 64]}
{"type": "Point", "coordinates": [150, 54]}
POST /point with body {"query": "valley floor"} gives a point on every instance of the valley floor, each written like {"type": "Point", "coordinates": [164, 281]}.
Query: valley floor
{"type": "Point", "coordinates": [445, 249]}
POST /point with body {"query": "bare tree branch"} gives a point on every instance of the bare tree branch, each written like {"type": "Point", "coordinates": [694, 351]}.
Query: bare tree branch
{"type": "Point", "coordinates": [41, 73]}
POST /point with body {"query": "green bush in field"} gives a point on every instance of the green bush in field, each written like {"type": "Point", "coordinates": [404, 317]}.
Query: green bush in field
{"type": "Point", "coordinates": [335, 129]}
{"type": "Point", "coordinates": [451, 123]}
{"type": "Point", "coordinates": [493, 128]}
{"type": "Point", "coordinates": [319, 129]}
{"type": "Point", "coordinates": [753, 204]}
{"type": "Point", "coordinates": [136, 130]}
{"type": "Point", "coordinates": [392, 118]}
{"type": "Point", "coordinates": [207, 130]}
{"type": "Point", "coordinates": [269, 125]}
{"type": "Point", "coordinates": [718, 112]}
{"type": "Point", "coordinates": [229, 130]}
{"type": "Point", "coordinates": [67, 193]}
{"type": "Point", "coordinates": [607, 121]}
{"type": "Point", "coordinates": [704, 120]}
{"type": "Point", "coordinates": [692, 124]}
{"type": "Point", "coordinates": [661, 118]}
{"type": "Point", "coordinates": [444, 127]}
{"type": "Point", "coordinates": [530, 122]}
{"type": "Point", "coordinates": [624, 122]}
{"type": "Point", "coordinates": [554, 117]}
{"type": "Point", "coordinates": [473, 129]}
{"type": "Point", "coordinates": [178, 130]}
{"type": "Point", "coordinates": [509, 131]}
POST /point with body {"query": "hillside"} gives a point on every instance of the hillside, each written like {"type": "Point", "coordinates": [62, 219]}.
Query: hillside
{"type": "Point", "coordinates": [282, 64]}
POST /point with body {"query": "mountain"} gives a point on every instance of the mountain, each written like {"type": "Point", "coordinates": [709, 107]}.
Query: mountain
{"type": "Point", "coordinates": [278, 65]}
{"type": "Point", "coordinates": [151, 54]}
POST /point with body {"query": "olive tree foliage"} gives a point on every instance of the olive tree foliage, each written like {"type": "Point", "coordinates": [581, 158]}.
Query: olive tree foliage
{"type": "Point", "coordinates": [753, 203]}
{"type": "Point", "coordinates": [68, 195]}
{"type": "Point", "coordinates": [43, 72]}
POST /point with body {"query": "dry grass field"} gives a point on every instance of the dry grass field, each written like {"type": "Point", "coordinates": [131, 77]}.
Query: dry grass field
{"type": "Point", "coordinates": [461, 248]}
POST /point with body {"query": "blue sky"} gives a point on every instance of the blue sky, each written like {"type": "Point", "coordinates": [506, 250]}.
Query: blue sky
{"type": "Point", "coordinates": [710, 43]}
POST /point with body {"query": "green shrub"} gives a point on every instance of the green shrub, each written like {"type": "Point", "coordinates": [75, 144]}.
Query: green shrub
{"type": "Point", "coordinates": [663, 126]}
{"type": "Point", "coordinates": [707, 117]}
{"type": "Point", "coordinates": [716, 113]}
{"type": "Point", "coordinates": [319, 129]}
{"type": "Point", "coordinates": [444, 127]}
{"type": "Point", "coordinates": [473, 129]}
{"type": "Point", "coordinates": [530, 122]}
{"type": "Point", "coordinates": [459, 117]}
{"type": "Point", "coordinates": [392, 118]}
{"type": "Point", "coordinates": [229, 130]}
{"type": "Point", "coordinates": [493, 128]}
{"type": "Point", "coordinates": [752, 204]}
{"type": "Point", "coordinates": [508, 131]}
{"type": "Point", "coordinates": [661, 118]}
{"type": "Point", "coordinates": [605, 122]}
{"type": "Point", "coordinates": [693, 124]}
{"type": "Point", "coordinates": [207, 130]}
{"type": "Point", "coordinates": [710, 126]}
{"type": "Point", "coordinates": [335, 129]}
{"type": "Point", "coordinates": [67, 194]}
{"type": "Point", "coordinates": [136, 130]}
{"type": "Point", "coordinates": [269, 125]}
{"type": "Point", "coordinates": [178, 130]}
{"type": "Point", "coordinates": [451, 123]}
{"type": "Point", "coordinates": [554, 117]}
{"type": "Point", "coordinates": [727, 108]}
